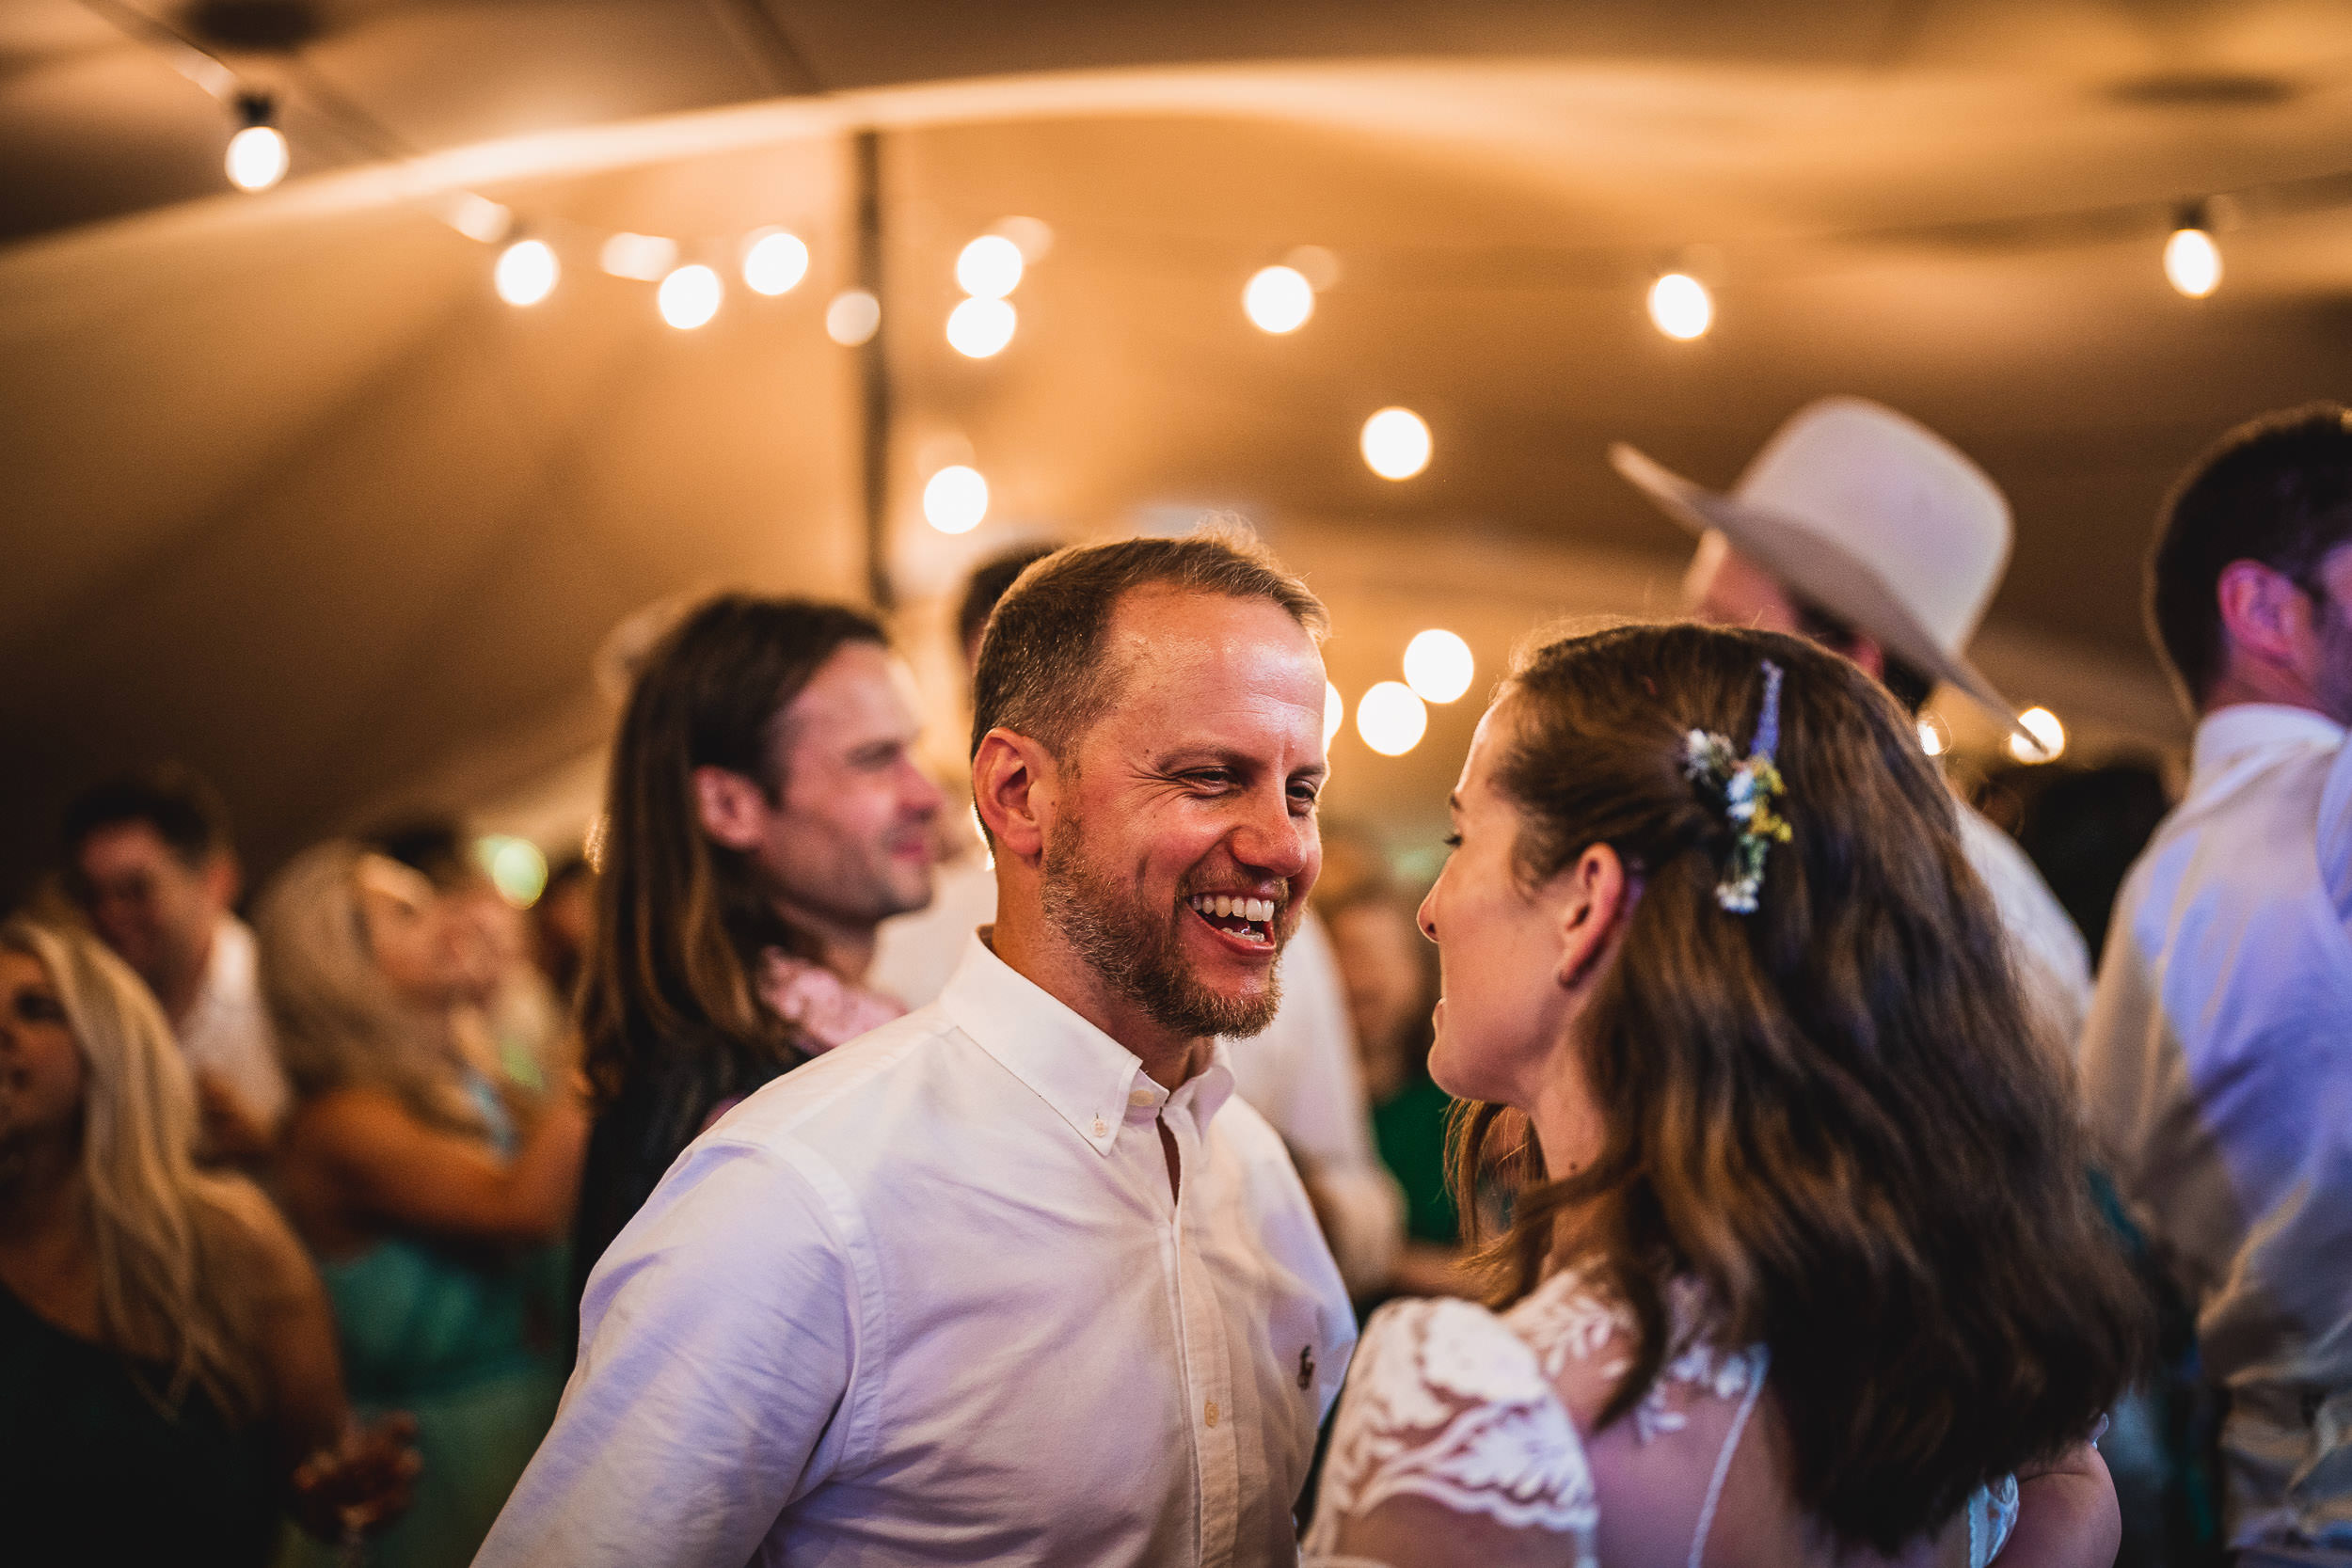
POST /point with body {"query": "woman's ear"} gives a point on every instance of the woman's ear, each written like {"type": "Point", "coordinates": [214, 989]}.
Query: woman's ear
{"type": "Point", "coordinates": [1596, 897]}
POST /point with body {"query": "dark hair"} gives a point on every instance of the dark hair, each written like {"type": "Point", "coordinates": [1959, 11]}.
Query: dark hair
{"type": "Point", "coordinates": [433, 845]}
{"type": "Point", "coordinates": [678, 919]}
{"type": "Point", "coordinates": [1042, 671]}
{"type": "Point", "coordinates": [171, 798]}
{"type": "Point", "coordinates": [2276, 490]}
{"type": "Point", "coordinates": [1832, 1112]}
{"type": "Point", "coordinates": [987, 584]}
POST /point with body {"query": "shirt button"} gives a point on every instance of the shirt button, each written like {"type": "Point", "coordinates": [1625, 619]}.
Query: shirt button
{"type": "Point", "coordinates": [1139, 1097]}
{"type": "Point", "coordinates": [1100, 1130]}
{"type": "Point", "coordinates": [1210, 1412]}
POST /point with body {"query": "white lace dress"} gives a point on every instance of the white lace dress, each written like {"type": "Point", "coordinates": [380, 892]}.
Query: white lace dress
{"type": "Point", "coordinates": [1456, 1443]}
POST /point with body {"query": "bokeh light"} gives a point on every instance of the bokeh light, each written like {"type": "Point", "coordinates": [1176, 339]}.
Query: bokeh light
{"type": "Point", "coordinates": [981, 328]}
{"type": "Point", "coordinates": [1391, 718]}
{"type": "Point", "coordinates": [989, 267]}
{"type": "Point", "coordinates": [1680, 307]}
{"type": "Point", "coordinates": [853, 318]}
{"type": "Point", "coordinates": [1396, 443]}
{"type": "Point", "coordinates": [526, 272]}
{"type": "Point", "coordinates": [2049, 736]}
{"type": "Point", "coordinates": [647, 257]}
{"type": "Point", "coordinates": [516, 867]}
{"type": "Point", "coordinates": [690, 297]}
{"type": "Point", "coordinates": [1279, 299]}
{"type": "Point", "coordinates": [478, 217]}
{"type": "Point", "coordinates": [1933, 740]}
{"type": "Point", "coordinates": [1334, 713]}
{"type": "Point", "coordinates": [956, 499]}
{"type": "Point", "coordinates": [774, 261]}
{"type": "Point", "coordinates": [1438, 665]}
{"type": "Point", "coordinates": [2192, 263]}
{"type": "Point", "coordinates": [257, 157]}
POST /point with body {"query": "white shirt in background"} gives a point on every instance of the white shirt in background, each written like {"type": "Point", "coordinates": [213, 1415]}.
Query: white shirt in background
{"type": "Point", "coordinates": [929, 1300]}
{"type": "Point", "coordinates": [226, 1035]}
{"type": "Point", "coordinates": [2218, 1067]}
{"type": "Point", "coordinates": [2053, 960]}
{"type": "Point", "coordinates": [1301, 1073]}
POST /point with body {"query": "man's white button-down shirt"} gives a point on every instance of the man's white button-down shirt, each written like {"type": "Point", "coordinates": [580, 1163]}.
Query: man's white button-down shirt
{"type": "Point", "coordinates": [929, 1299]}
{"type": "Point", "coordinates": [2218, 1065]}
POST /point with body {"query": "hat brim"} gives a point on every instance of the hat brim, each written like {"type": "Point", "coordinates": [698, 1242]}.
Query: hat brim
{"type": "Point", "coordinates": [1815, 569]}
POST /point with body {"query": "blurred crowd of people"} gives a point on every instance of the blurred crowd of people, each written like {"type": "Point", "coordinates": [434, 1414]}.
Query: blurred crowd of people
{"type": "Point", "coordinates": [297, 1216]}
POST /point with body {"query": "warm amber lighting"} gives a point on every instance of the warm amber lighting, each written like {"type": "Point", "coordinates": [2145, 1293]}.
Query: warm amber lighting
{"type": "Point", "coordinates": [1334, 713]}
{"type": "Point", "coordinates": [690, 297]}
{"type": "Point", "coordinates": [526, 272]}
{"type": "Point", "coordinates": [2192, 263]}
{"type": "Point", "coordinates": [956, 499]}
{"type": "Point", "coordinates": [1391, 718]}
{"type": "Point", "coordinates": [1396, 443]}
{"type": "Point", "coordinates": [647, 257]}
{"type": "Point", "coordinates": [1680, 307]}
{"type": "Point", "coordinates": [853, 318]}
{"type": "Point", "coordinates": [257, 157]}
{"type": "Point", "coordinates": [1438, 665]}
{"type": "Point", "coordinates": [981, 328]}
{"type": "Point", "coordinates": [774, 261]}
{"type": "Point", "coordinates": [2049, 736]}
{"type": "Point", "coordinates": [1279, 299]}
{"type": "Point", "coordinates": [1933, 740]}
{"type": "Point", "coordinates": [989, 267]}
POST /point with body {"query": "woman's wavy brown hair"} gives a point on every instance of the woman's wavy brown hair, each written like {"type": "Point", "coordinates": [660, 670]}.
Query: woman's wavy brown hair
{"type": "Point", "coordinates": [1832, 1112]}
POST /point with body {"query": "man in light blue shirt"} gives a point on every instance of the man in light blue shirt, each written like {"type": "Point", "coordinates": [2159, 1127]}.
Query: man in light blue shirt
{"type": "Point", "coordinates": [2217, 1060]}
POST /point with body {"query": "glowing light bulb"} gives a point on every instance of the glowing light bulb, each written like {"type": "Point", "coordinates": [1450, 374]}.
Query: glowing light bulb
{"type": "Point", "coordinates": [1279, 299]}
{"type": "Point", "coordinates": [526, 272]}
{"type": "Point", "coordinates": [1391, 718]}
{"type": "Point", "coordinates": [956, 499]}
{"type": "Point", "coordinates": [1396, 443]}
{"type": "Point", "coordinates": [1680, 307]}
{"type": "Point", "coordinates": [257, 157]}
{"type": "Point", "coordinates": [774, 261]}
{"type": "Point", "coordinates": [647, 257]}
{"type": "Point", "coordinates": [2192, 263]}
{"type": "Point", "coordinates": [478, 217]}
{"type": "Point", "coordinates": [516, 867]}
{"type": "Point", "coordinates": [1438, 665]}
{"type": "Point", "coordinates": [2049, 736]}
{"type": "Point", "coordinates": [690, 297]}
{"type": "Point", "coordinates": [1334, 713]}
{"type": "Point", "coordinates": [981, 328]}
{"type": "Point", "coordinates": [853, 318]}
{"type": "Point", "coordinates": [989, 267]}
{"type": "Point", "coordinates": [1932, 739]}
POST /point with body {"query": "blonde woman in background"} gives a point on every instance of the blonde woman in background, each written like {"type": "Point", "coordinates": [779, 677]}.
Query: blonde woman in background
{"type": "Point", "coordinates": [168, 1382]}
{"type": "Point", "coordinates": [432, 1208]}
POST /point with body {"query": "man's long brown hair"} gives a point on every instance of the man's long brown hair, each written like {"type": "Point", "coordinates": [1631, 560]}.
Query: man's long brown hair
{"type": "Point", "coordinates": [678, 919]}
{"type": "Point", "coordinates": [1832, 1112]}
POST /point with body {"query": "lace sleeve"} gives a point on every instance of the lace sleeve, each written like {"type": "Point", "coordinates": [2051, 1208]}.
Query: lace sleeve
{"type": "Point", "coordinates": [1446, 1404]}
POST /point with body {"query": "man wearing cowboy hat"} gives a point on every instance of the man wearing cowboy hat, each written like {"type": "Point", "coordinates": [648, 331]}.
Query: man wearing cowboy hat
{"type": "Point", "coordinates": [1874, 536]}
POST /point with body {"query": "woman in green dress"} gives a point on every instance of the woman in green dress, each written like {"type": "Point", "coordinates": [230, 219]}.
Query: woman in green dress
{"type": "Point", "coordinates": [431, 1196]}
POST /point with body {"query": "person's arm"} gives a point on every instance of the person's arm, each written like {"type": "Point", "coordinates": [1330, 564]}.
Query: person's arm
{"type": "Point", "coordinates": [714, 1384]}
{"type": "Point", "coordinates": [396, 1171]}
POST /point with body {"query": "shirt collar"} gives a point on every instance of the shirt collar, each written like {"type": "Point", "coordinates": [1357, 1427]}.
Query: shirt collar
{"type": "Point", "coordinates": [1083, 1073]}
{"type": "Point", "coordinates": [2229, 736]}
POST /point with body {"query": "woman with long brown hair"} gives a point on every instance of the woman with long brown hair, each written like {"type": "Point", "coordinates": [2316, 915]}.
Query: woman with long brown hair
{"type": "Point", "coordinates": [168, 1382]}
{"type": "Point", "coordinates": [1803, 1266]}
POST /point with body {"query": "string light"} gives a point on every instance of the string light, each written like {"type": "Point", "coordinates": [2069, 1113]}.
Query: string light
{"type": "Point", "coordinates": [1334, 713]}
{"type": "Point", "coordinates": [1396, 443]}
{"type": "Point", "coordinates": [258, 154]}
{"type": "Point", "coordinates": [956, 499]}
{"type": "Point", "coordinates": [989, 267]}
{"type": "Point", "coordinates": [645, 257]}
{"type": "Point", "coordinates": [2192, 263]}
{"type": "Point", "coordinates": [1680, 307]}
{"type": "Point", "coordinates": [981, 328]}
{"type": "Point", "coordinates": [527, 272]}
{"type": "Point", "coordinates": [516, 867]}
{"type": "Point", "coordinates": [853, 318]}
{"type": "Point", "coordinates": [1438, 665]}
{"type": "Point", "coordinates": [1392, 719]}
{"type": "Point", "coordinates": [480, 218]}
{"type": "Point", "coordinates": [690, 297]}
{"type": "Point", "coordinates": [1279, 299]}
{"type": "Point", "coordinates": [774, 261]}
{"type": "Point", "coordinates": [1933, 740]}
{"type": "Point", "coordinates": [2049, 737]}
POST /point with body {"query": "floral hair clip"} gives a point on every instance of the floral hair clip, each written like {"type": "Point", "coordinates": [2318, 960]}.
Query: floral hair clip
{"type": "Point", "coordinates": [1749, 787]}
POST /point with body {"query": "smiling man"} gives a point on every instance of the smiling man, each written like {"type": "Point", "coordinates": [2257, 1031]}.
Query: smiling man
{"type": "Point", "coordinates": [1014, 1279]}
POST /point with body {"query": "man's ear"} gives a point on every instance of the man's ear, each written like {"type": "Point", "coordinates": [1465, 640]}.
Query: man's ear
{"type": "Point", "coordinates": [732, 808]}
{"type": "Point", "coordinates": [1596, 898]}
{"type": "Point", "coordinates": [2267, 617]}
{"type": "Point", "coordinates": [1013, 781]}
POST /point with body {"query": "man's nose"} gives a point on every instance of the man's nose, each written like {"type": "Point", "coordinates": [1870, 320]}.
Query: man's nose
{"type": "Point", "coordinates": [1275, 841]}
{"type": "Point", "coordinates": [923, 797]}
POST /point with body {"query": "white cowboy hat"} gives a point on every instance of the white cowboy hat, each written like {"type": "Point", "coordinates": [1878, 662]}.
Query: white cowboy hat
{"type": "Point", "coordinates": [1870, 516]}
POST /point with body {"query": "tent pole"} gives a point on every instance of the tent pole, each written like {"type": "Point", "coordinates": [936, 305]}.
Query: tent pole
{"type": "Point", "coordinates": [874, 376]}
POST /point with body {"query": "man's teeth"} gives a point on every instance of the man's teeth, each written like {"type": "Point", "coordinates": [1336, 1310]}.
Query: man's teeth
{"type": "Point", "coordinates": [1220, 906]}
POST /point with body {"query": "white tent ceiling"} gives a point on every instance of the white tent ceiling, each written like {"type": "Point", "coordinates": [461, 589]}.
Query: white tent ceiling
{"type": "Point", "coordinates": [290, 493]}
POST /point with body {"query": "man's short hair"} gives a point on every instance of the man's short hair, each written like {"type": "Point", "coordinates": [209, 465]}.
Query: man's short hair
{"type": "Point", "coordinates": [989, 582]}
{"type": "Point", "coordinates": [2277, 490]}
{"type": "Point", "coordinates": [174, 800]}
{"type": "Point", "coordinates": [1042, 673]}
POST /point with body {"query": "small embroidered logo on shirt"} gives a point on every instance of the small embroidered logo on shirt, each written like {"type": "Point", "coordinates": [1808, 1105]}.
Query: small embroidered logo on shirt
{"type": "Point", "coordinates": [1306, 1367]}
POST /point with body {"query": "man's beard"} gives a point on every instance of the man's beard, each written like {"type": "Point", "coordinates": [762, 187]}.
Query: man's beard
{"type": "Point", "coordinates": [1136, 950]}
